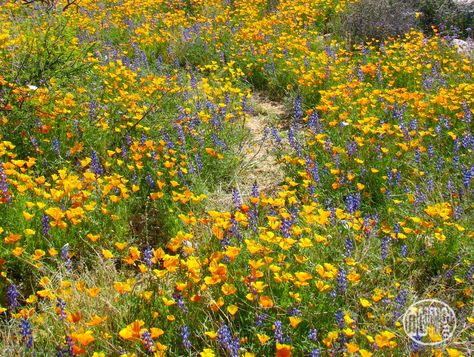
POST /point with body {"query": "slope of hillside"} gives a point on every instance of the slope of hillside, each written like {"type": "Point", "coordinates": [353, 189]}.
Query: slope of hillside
{"type": "Point", "coordinates": [230, 178]}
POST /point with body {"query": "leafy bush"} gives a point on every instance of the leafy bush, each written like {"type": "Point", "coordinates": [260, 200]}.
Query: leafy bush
{"type": "Point", "coordinates": [367, 19]}
{"type": "Point", "coordinates": [376, 19]}
{"type": "Point", "coordinates": [51, 4]}
{"type": "Point", "coordinates": [455, 19]}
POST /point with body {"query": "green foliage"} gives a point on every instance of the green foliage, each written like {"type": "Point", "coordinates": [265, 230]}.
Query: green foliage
{"type": "Point", "coordinates": [375, 19]}
{"type": "Point", "coordinates": [449, 17]}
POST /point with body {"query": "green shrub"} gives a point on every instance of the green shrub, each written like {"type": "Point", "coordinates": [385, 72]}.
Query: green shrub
{"type": "Point", "coordinates": [454, 19]}
{"type": "Point", "coordinates": [376, 19]}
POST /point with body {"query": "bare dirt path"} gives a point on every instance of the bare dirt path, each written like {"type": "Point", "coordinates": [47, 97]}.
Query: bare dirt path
{"type": "Point", "coordinates": [259, 163]}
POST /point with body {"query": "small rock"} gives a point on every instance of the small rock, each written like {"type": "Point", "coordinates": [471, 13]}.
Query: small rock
{"type": "Point", "coordinates": [464, 2]}
{"type": "Point", "coordinates": [463, 47]}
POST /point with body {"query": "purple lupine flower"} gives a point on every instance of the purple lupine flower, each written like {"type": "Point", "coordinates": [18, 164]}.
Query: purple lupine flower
{"type": "Point", "coordinates": [65, 256]}
{"type": "Point", "coordinates": [150, 181]}
{"type": "Point", "coordinates": [236, 198]}
{"type": "Point", "coordinates": [147, 341]}
{"type": "Point", "coordinates": [253, 219]}
{"type": "Point", "coordinates": [416, 347]}
{"type": "Point", "coordinates": [342, 280]}
{"type": "Point", "coordinates": [397, 229]}
{"type": "Point", "coordinates": [278, 331]}
{"type": "Point", "coordinates": [400, 300]}
{"type": "Point", "coordinates": [153, 157]}
{"type": "Point", "coordinates": [389, 176]}
{"type": "Point", "coordinates": [148, 256]}
{"type": "Point", "coordinates": [34, 142]}
{"type": "Point", "coordinates": [385, 247]}
{"type": "Point", "coordinates": [450, 186]}
{"type": "Point", "coordinates": [56, 146]}
{"type": "Point", "coordinates": [418, 156]}
{"type": "Point", "coordinates": [337, 160]}
{"type": "Point", "coordinates": [314, 123]}
{"type": "Point", "coordinates": [367, 224]}
{"type": "Point", "coordinates": [92, 110]}
{"type": "Point", "coordinates": [185, 337]}
{"type": "Point", "coordinates": [159, 64]}
{"type": "Point", "coordinates": [340, 319]}
{"type": "Point", "coordinates": [298, 109]}
{"type": "Point", "coordinates": [144, 59]}
{"type": "Point", "coordinates": [167, 140]}
{"type": "Point", "coordinates": [143, 140]}
{"type": "Point", "coordinates": [96, 168]}
{"type": "Point", "coordinates": [225, 241]}
{"type": "Point", "coordinates": [128, 139]}
{"type": "Point", "coordinates": [315, 352]}
{"type": "Point", "coordinates": [420, 197]}
{"type": "Point", "coordinates": [431, 151]}
{"type": "Point", "coordinates": [466, 141]}
{"type": "Point", "coordinates": [244, 105]}
{"type": "Point", "coordinates": [198, 161]}
{"type": "Point", "coordinates": [218, 142]}
{"type": "Point", "coordinates": [430, 185]}
{"type": "Point", "coordinates": [65, 251]}
{"type": "Point", "coordinates": [449, 274]}
{"type": "Point", "coordinates": [227, 341]}
{"type": "Point", "coordinates": [260, 319]}
{"type": "Point", "coordinates": [291, 137]}
{"type": "Point", "coordinates": [124, 152]}
{"type": "Point", "coordinates": [375, 218]}
{"type": "Point", "coordinates": [68, 350]}
{"type": "Point", "coordinates": [350, 204]}
{"type": "Point", "coordinates": [234, 229]}
{"type": "Point", "coordinates": [356, 199]}
{"type": "Point", "coordinates": [343, 180]}
{"type": "Point", "coordinates": [46, 225]}
{"type": "Point", "coordinates": [25, 333]}
{"type": "Point", "coordinates": [348, 248]}
{"type": "Point", "coordinates": [404, 250]}
{"type": "Point", "coordinates": [470, 273]}
{"type": "Point", "coordinates": [61, 305]}
{"type": "Point", "coordinates": [332, 211]}
{"type": "Point", "coordinates": [276, 137]}
{"type": "Point", "coordinates": [467, 112]}
{"type": "Point", "coordinates": [351, 148]}
{"type": "Point", "coordinates": [4, 189]}
{"type": "Point", "coordinates": [404, 130]}
{"type": "Point", "coordinates": [458, 212]}
{"type": "Point", "coordinates": [178, 298]}
{"type": "Point", "coordinates": [255, 192]}
{"type": "Point", "coordinates": [306, 63]}
{"type": "Point", "coordinates": [466, 178]}
{"type": "Point", "coordinates": [286, 225]}
{"type": "Point", "coordinates": [413, 124]}
{"type": "Point", "coordinates": [313, 334]}
{"type": "Point", "coordinates": [423, 250]}
{"type": "Point", "coordinates": [379, 75]}
{"type": "Point", "coordinates": [294, 211]}
{"type": "Point", "coordinates": [12, 297]}
{"type": "Point", "coordinates": [360, 74]}
{"type": "Point", "coordinates": [379, 151]}
{"type": "Point", "coordinates": [181, 135]}
{"type": "Point", "coordinates": [293, 311]}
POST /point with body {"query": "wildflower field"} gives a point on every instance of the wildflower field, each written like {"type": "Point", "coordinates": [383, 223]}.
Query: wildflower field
{"type": "Point", "coordinates": [228, 178]}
